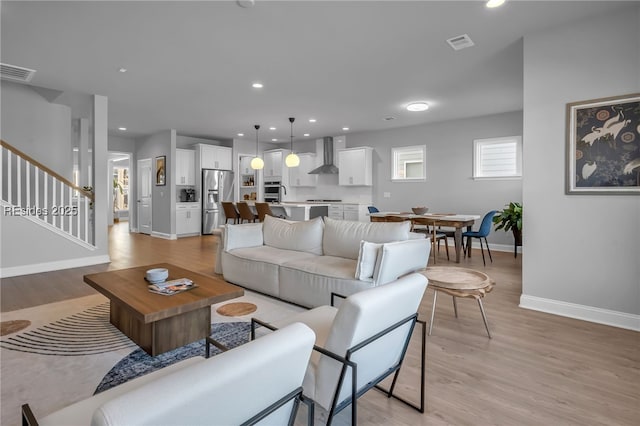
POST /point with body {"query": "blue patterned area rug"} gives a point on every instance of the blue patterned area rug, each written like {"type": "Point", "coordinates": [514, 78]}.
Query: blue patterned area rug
{"type": "Point", "coordinates": [138, 363]}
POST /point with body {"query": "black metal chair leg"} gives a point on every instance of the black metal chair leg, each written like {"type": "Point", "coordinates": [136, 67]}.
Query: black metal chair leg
{"type": "Point", "coordinates": [482, 250]}
{"type": "Point", "coordinates": [488, 249]}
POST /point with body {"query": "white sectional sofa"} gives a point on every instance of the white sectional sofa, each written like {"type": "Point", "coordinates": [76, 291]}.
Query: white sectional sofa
{"type": "Point", "coordinates": [304, 262]}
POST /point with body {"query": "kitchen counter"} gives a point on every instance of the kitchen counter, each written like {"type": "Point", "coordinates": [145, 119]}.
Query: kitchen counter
{"type": "Point", "coordinates": [293, 210]}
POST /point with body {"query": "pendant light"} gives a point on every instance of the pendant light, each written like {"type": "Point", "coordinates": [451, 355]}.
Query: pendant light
{"type": "Point", "coordinates": [292, 159]}
{"type": "Point", "coordinates": [257, 163]}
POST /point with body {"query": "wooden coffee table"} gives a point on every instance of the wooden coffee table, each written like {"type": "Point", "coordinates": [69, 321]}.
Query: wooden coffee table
{"type": "Point", "coordinates": [159, 323]}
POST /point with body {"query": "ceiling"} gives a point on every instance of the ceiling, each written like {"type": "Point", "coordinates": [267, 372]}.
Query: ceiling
{"type": "Point", "coordinates": [190, 65]}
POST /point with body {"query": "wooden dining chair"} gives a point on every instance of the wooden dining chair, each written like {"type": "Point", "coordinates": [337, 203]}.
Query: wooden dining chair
{"type": "Point", "coordinates": [230, 212]}
{"type": "Point", "coordinates": [245, 212]}
{"type": "Point", "coordinates": [263, 209]}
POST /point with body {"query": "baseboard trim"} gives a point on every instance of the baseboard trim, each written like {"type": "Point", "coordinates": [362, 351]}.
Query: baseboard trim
{"type": "Point", "coordinates": [37, 268]}
{"type": "Point", "coordinates": [163, 235]}
{"type": "Point", "coordinates": [581, 312]}
{"type": "Point", "coordinates": [493, 247]}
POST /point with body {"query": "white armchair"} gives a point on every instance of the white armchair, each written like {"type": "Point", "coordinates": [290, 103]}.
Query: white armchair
{"type": "Point", "coordinates": [256, 383]}
{"type": "Point", "coordinates": [361, 343]}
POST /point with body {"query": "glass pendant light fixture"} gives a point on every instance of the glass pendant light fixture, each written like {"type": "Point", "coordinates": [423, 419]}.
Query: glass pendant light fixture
{"type": "Point", "coordinates": [292, 159]}
{"type": "Point", "coordinates": [257, 163]}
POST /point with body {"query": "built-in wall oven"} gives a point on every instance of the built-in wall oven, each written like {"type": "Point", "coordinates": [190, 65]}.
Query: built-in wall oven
{"type": "Point", "coordinates": [272, 191]}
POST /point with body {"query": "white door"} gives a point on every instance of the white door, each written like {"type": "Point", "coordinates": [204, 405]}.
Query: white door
{"type": "Point", "coordinates": [144, 196]}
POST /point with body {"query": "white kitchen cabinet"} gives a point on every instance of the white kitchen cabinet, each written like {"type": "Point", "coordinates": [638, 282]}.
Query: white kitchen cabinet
{"type": "Point", "coordinates": [299, 176]}
{"type": "Point", "coordinates": [273, 162]}
{"type": "Point", "coordinates": [215, 157]}
{"type": "Point", "coordinates": [356, 166]}
{"type": "Point", "coordinates": [185, 167]}
{"type": "Point", "coordinates": [345, 211]}
{"type": "Point", "coordinates": [245, 165]}
{"type": "Point", "coordinates": [188, 219]}
{"type": "Point", "coordinates": [336, 211]}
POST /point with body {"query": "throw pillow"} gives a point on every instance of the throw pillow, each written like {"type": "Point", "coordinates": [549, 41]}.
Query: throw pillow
{"type": "Point", "coordinates": [244, 235]}
{"type": "Point", "coordinates": [299, 236]}
{"type": "Point", "coordinates": [367, 260]}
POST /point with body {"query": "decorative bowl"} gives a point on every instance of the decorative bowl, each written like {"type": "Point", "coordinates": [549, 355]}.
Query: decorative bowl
{"type": "Point", "coordinates": [420, 210]}
{"type": "Point", "coordinates": [157, 275]}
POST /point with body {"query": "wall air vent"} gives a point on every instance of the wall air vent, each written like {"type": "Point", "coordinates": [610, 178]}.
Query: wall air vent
{"type": "Point", "coordinates": [460, 42]}
{"type": "Point", "coordinates": [12, 72]}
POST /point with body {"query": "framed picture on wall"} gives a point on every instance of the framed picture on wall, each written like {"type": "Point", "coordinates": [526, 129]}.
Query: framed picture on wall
{"type": "Point", "coordinates": [161, 170]}
{"type": "Point", "coordinates": [603, 146]}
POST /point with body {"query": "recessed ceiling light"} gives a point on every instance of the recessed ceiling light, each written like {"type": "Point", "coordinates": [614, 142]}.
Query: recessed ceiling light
{"type": "Point", "coordinates": [345, 128]}
{"type": "Point", "coordinates": [274, 140]}
{"type": "Point", "coordinates": [272, 128]}
{"type": "Point", "coordinates": [306, 134]}
{"type": "Point", "coordinates": [76, 149]}
{"type": "Point", "coordinates": [257, 85]}
{"type": "Point", "coordinates": [495, 3]}
{"type": "Point", "coordinates": [122, 70]}
{"type": "Point", "coordinates": [122, 128]}
{"type": "Point", "coordinates": [312, 120]}
{"type": "Point", "coordinates": [240, 134]}
{"type": "Point", "coordinates": [417, 106]}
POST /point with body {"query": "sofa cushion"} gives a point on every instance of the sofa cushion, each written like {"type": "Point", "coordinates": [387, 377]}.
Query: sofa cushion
{"type": "Point", "coordinates": [342, 237]}
{"type": "Point", "coordinates": [367, 260]}
{"type": "Point", "coordinates": [242, 235]}
{"type": "Point", "coordinates": [299, 236]}
{"type": "Point", "coordinates": [310, 282]}
{"type": "Point", "coordinates": [257, 268]}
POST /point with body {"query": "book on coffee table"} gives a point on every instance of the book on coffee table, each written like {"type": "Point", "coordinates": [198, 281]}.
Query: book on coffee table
{"type": "Point", "coordinates": [171, 287]}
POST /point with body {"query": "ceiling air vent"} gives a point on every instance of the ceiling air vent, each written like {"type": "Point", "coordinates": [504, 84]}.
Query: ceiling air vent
{"type": "Point", "coordinates": [12, 72]}
{"type": "Point", "coordinates": [460, 42]}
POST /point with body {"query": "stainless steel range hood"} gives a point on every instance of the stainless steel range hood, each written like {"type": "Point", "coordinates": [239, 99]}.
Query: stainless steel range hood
{"type": "Point", "coordinates": [327, 167]}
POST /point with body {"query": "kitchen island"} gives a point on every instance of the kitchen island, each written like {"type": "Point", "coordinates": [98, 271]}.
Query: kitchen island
{"type": "Point", "coordinates": [293, 210]}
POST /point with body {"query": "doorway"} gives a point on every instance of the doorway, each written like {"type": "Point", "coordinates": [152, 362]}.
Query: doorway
{"type": "Point", "coordinates": [119, 186]}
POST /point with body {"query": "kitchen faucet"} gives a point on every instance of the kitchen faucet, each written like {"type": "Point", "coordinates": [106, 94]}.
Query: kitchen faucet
{"type": "Point", "coordinates": [285, 189]}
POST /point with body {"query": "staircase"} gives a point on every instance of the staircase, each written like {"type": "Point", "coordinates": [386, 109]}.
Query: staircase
{"type": "Point", "coordinates": [32, 191]}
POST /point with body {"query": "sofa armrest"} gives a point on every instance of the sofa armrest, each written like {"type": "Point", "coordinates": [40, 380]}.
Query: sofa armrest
{"type": "Point", "coordinates": [400, 258]}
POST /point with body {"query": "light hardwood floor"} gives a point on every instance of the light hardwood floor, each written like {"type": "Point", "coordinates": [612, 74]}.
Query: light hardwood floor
{"type": "Point", "coordinates": [539, 369]}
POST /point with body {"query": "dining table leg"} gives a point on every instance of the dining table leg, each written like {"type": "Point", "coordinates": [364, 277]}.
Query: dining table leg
{"type": "Point", "coordinates": [457, 238]}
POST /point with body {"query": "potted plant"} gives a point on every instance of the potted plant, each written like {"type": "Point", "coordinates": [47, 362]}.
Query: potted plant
{"type": "Point", "coordinates": [510, 219]}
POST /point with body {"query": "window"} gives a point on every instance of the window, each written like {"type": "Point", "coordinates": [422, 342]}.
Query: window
{"type": "Point", "coordinates": [409, 163]}
{"type": "Point", "coordinates": [497, 157]}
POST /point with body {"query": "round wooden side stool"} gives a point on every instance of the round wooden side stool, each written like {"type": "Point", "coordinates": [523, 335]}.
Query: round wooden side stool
{"type": "Point", "coordinates": [458, 282]}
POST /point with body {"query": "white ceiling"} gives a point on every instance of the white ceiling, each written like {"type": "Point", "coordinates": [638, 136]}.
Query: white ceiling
{"type": "Point", "coordinates": [191, 64]}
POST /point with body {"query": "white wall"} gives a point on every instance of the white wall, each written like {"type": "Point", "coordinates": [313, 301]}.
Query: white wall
{"type": "Point", "coordinates": [582, 255]}
{"type": "Point", "coordinates": [163, 197]}
{"type": "Point", "coordinates": [449, 186]}
{"type": "Point", "coordinates": [37, 127]}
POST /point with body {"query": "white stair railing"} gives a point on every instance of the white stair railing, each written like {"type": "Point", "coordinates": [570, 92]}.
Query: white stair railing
{"type": "Point", "coordinates": [32, 190]}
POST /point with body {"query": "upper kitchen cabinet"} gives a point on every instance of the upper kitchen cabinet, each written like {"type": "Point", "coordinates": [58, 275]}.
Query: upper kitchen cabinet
{"type": "Point", "coordinates": [356, 166]}
{"type": "Point", "coordinates": [214, 157]}
{"type": "Point", "coordinates": [185, 167]}
{"type": "Point", "coordinates": [273, 162]}
{"type": "Point", "coordinates": [299, 176]}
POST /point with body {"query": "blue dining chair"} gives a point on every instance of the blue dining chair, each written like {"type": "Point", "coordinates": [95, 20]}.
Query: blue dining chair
{"type": "Point", "coordinates": [485, 228]}
{"type": "Point", "coordinates": [373, 209]}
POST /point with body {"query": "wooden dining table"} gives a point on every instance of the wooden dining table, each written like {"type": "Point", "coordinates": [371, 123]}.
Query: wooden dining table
{"type": "Point", "coordinates": [456, 221]}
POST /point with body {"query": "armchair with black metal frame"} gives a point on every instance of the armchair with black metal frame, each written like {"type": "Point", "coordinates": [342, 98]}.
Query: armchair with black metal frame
{"type": "Point", "coordinates": [359, 347]}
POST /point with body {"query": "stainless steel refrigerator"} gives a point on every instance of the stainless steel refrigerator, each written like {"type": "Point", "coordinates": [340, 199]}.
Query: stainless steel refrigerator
{"type": "Point", "coordinates": [217, 186]}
